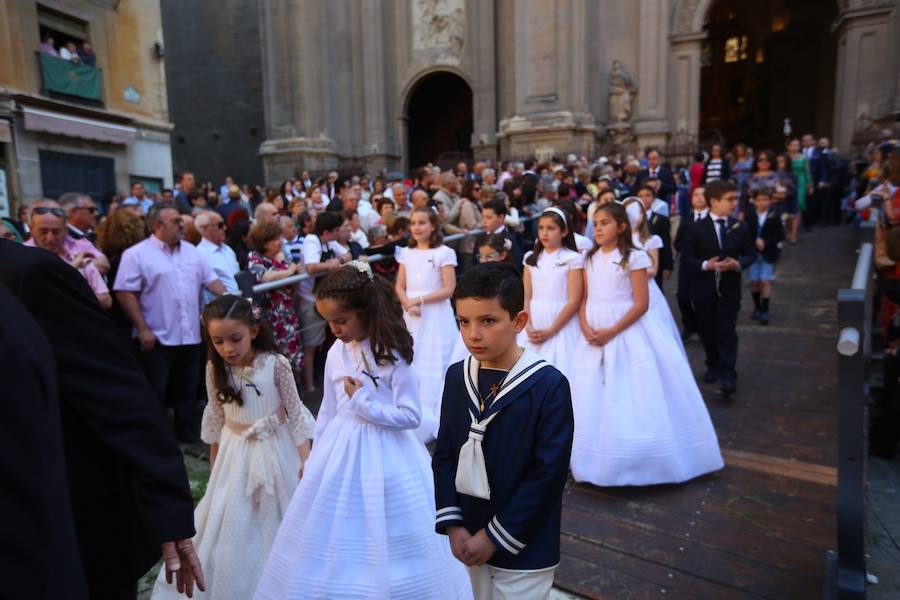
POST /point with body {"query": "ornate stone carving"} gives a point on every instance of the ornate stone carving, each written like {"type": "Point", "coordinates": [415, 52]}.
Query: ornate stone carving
{"type": "Point", "coordinates": [684, 22]}
{"type": "Point", "coordinates": [439, 25]}
{"type": "Point", "coordinates": [622, 93]}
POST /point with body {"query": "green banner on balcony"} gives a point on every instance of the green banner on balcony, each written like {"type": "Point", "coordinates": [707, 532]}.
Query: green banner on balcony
{"type": "Point", "coordinates": [70, 78]}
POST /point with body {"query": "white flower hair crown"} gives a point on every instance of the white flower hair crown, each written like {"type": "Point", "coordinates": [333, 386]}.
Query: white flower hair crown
{"type": "Point", "coordinates": [362, 267]}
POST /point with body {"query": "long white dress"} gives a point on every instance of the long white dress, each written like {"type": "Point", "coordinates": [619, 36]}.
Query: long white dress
{"type": "Point", "coordinates": [434, 333]}
{"type": "Point", "coordinates": [639, 416]}
{"type": "Point", "coordinates": [253, 478]}
{"type": "Point", "coordinates": [361, 523]}
{"type": "Point", "coordinates": [549, 294]}
{"type": "Point", "coordinates": [659, 307]}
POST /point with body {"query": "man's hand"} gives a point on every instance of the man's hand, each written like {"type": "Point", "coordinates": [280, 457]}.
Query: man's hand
{"type": "Point", "coordinates": [459, 535]}
{"type": "Point", "coordinates": [713, 264]}
{"type": "Point", "coordinates": [181, 560]}
{"type": "Point", "coordinates": [81, 259]}
{"type": "Point", "coordinates": [478, 549]}
{"type": "Point", "coordinates": [760, 245]}
{"type": "Point", "coordinates": [729, 264]}
{"type": "Point", "coordinates": [147, 340]}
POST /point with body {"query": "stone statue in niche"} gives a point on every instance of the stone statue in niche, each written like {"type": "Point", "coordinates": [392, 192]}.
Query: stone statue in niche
{"type": "Point", "coordinates": [622, 93]}
{"type": "Point", "coordinates": [439, 24]}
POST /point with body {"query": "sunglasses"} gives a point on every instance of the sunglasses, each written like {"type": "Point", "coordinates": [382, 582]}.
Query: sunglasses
{"type": "Point", "coordinates": [43, 210]}
{"type": "Point", "coordinates": [90, 209]}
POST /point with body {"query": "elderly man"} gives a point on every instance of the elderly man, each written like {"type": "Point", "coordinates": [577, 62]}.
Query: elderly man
{"type": "Point", "coordinates": [49, 231]}
{"type": "Point", "coordinates": [218, 254]}
{"type": "Point", "coordinates": [81, 216]}
{"type": "Point", "coordinates": [402, 206]}
{"type": "Point", "coordinates": [158, 287]}
{"type": "Point", "coordinates": [447, 195]}
{"type": "Point", "coordinates": [138, 198]}
{"type": "Point", "coordinates": [265, 213]}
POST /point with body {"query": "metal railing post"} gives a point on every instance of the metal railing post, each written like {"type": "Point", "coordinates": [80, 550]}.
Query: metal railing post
{"type": "Point", "coordinates": [846, 578]}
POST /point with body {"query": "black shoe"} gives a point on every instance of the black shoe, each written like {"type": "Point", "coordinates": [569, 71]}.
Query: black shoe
{"type": "Point", "coordinates": [687, 334]}
{"type": "Point", "coordinates": [763, 318]}
{"type": "Point", "coordinates": [756, 314]}
{"type": "Point", "coordinates": [727, 387]}
{"type": "Point", "coordinates": [711, 375]}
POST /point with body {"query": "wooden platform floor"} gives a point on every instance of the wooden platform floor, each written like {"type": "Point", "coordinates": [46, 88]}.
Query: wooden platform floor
{"type": "Point", "coordinates": [760, 527]}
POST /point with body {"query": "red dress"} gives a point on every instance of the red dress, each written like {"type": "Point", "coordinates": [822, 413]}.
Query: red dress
{"type": "Point", "coordinates": [278, 309]}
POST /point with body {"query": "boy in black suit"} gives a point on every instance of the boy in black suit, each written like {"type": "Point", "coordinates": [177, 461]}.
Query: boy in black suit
{"type": "Point", "coordinates": [658, 225]}
{"type": "Point", "coordinates": [493, 215]}
{"type": "Point", "coordinates": [767, 230]}
{"type": "Point", "coordinates": [699, 211]}
{"type": "Point", "coordinates": [716, 250]}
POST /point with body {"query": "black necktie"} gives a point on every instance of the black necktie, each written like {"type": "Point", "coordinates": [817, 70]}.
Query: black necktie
{"type": "Point", "coordinates": [720, 232]}
{"type": "Point", "coordinates": [697, 217]}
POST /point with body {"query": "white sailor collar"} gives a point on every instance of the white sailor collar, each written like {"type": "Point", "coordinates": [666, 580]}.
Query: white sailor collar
{"type": "Point", "coordinates": [527, 365]}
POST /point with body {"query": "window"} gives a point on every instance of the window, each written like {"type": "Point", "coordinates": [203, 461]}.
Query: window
{"type": "Point", "coordinates": [732, 49]}
{"type": "Point", "coordinates": [61, 26]}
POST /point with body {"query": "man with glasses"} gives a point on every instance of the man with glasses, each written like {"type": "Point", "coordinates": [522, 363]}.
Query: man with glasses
{"type": "Point", "coordinates": [158, 286]}
{"type": "Point", "coordinates": [48, 231]}
{"type": "Point", "coordinates": [81, 217]}
{"type": "Point", "coordinates": [218, 254]}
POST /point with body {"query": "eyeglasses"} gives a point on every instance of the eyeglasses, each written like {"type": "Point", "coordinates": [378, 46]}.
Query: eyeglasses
{"type": "Point", "coordinates": [490, 257]}
{"type": "Point", "coordinates": [43, 210]}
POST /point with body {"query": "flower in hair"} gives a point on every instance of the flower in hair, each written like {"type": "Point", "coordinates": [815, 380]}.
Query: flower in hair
{"type": "Point", "coordinates": [362, 267]}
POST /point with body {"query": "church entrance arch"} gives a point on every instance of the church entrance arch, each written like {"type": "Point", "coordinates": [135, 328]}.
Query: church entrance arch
{"type": "Point", "coordinates": [439, 121]}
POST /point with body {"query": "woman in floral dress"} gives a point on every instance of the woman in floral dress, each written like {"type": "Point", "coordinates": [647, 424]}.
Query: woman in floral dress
{"type": "Point", "coordinates": [267, 263]}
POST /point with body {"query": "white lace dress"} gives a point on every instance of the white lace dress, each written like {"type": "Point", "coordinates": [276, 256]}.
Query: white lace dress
{"type": "Point", "coordinates": [253, 479]}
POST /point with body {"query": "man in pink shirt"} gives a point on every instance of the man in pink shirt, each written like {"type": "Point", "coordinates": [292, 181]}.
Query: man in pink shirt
{"type": "Point", "coordinates": [48, 231]}
{"type": "Point", "coordinates": [158, 286]}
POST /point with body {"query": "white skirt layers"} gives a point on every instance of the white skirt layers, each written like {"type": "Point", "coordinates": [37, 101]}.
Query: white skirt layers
{"type": "Point", "coordinates": [361, 522]}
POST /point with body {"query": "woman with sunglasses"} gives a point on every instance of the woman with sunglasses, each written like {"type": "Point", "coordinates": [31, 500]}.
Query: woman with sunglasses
{"type": "Point", "coordinates": [763, 176]}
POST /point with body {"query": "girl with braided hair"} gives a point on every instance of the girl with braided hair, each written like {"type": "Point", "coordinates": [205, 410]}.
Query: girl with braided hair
{"type": "Point", "coordinates": [361, 523]}
{"type": "Point", "coordinates": [258, 431]}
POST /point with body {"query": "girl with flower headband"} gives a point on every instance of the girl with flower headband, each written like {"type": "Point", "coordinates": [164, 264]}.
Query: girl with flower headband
{"type": "Point", "coordinates": [554, 288]}
{"type": "Point", "coordinates": [425, 281]}
{"type": "Point", "coordinates": [361, 523]}
{"type": "Point", "coordinates": [259, 434]}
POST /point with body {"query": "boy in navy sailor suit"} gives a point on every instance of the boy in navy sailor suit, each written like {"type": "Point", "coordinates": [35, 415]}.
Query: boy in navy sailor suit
{"type": "Point", "coordinates": [716, 250]}
{"type": "Point", "coordinates": [502, 454]}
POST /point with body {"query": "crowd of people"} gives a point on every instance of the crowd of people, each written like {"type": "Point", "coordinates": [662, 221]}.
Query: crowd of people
{"type": "Point", "coordinates": [552, 296]}
{"type": "Point", "coordinates": [78, 53]}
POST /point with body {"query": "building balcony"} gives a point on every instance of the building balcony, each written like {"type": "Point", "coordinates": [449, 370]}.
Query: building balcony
{"type": "Point", "coordinates": [71, 81]}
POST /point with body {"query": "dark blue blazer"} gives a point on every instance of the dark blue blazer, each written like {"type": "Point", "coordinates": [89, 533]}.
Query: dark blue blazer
{"type": "Point", "coordinates": [526, 449]}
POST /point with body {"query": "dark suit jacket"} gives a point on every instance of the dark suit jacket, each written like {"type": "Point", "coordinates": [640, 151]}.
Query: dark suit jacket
{"type": "Point", "coordinates": [701, 244]}
{"type": "Point", "coordinates": [127, 482]}
{"type": "Point", "coordinates": [530, 183]}
{"type": "Point", "coordinates": [772, 233]}
{"type": "Point", "coordinates": [38, 550]}
{"type": "Point", "coordinates": [666, 182]}
{"type": "Point", "coordinates": [659, 225]}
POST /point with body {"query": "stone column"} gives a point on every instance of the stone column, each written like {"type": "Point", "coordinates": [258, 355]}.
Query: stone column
{"type": "Point", "coordinates": [684, 83]}
{"type": "Point", "coordinates": [863, 85]}
{"type": "Point", "coordinates": [551, 115]}
{"type": "Point", "coordinates": [378, 151]}
{"type": "Point", "coordinates": [292, 90]}
{"type": "Point", "coordinates": [483, 57]}
{"type": "Point", "coordinates": [651, 124]}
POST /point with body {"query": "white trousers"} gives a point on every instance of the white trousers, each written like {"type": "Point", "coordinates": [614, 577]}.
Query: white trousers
{"type": "Point", "coordinates": [490, 583]}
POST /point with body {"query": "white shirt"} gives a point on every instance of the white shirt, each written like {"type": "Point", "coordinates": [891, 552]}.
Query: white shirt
{"type": "Point", "coordinates": [699, 216]}
{"type": "Point", "coordinates": [312, 254]}
{"type": "Point", "coordinates": [224, 262]}
{"type": "Point", "coordinates": [64, 53]}
{"type": "Point", "coordinates": [762, 221]}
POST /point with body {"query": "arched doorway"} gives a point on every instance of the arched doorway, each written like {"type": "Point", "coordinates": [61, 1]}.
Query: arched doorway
{"type": "Point", "coordinates": [439, 121]}
{"type": "Point", "coordinates": [763, 62]}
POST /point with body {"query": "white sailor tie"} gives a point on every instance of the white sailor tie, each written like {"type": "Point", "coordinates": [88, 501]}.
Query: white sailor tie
{"type": "Point", "coordinates": [471, 472]}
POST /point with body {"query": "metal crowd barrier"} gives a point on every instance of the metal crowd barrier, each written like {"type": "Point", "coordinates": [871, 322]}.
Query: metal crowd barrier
{"type": "Point", "coordinates": [846, 568]}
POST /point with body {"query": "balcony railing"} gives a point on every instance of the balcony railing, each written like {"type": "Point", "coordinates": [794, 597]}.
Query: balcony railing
{"type": "Point", "coordinates": [67, 80]}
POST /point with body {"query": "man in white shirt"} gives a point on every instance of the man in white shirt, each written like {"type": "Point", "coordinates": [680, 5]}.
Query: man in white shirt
{"type": "Point", "coordinates": [138, 198]}
{"type": "Point", "coordinates": [218, 254]}
{"type": "Point", "coordinates": [321, 254]}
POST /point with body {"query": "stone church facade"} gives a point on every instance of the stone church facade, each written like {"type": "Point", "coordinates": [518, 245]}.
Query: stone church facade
{"type": "Point", "coordinates": [341, 79]}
